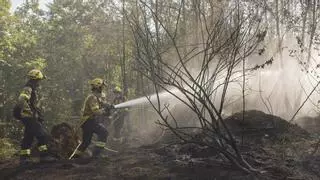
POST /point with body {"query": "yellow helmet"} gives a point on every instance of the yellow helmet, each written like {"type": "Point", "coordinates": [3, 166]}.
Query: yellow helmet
{"type": "Point", "coordinates": [96, 83]}
{"type": "Point", "coordinates": [35, 74]}
{"type": "Point", "coordinates": [117, 89]}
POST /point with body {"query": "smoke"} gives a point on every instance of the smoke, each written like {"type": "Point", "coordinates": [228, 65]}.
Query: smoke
{"type": "Point", "coordinates": [281, 88]}
{"type": "Point", "coordinates": [278, 89]}
{"type": "Point", "coordinates": [163, 96]}
{"type": "Point", "coordinates": [142, 122]}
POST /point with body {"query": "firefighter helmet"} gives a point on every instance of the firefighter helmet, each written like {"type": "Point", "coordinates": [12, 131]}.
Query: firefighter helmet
{"type": "Point", "coordinates": [96, 83]}
{"type": "Point", "coordinates": [35, 74]}
{"type": "Point", "coordinates": [117, 89]}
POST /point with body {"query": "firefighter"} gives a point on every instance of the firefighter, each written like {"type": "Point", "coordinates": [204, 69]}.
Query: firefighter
{"type": "Point", "coordinates": [28, 112]}
{"type": "Point", "coordinates": [95, 110]}
{"type": "Point", "coordinates": [118, 114]}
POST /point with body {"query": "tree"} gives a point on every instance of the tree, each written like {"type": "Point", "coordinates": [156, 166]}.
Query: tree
{"type": "Point", "coordinates": [229, 35]}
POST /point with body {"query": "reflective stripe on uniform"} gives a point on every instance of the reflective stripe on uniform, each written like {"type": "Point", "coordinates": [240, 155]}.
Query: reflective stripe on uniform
{"type": "Point", "coordinates": [26, 113]}
{"type": "Point", "coordinates": [95, 108]}
{"type": "Point", "coordinates": [25, 152]}
{"type": "Point", "coordinates": [26, 96]}
{"type": "Point", "coordinates": [84, 118]}
{"type": "Point", "coordinates": [43, 148]}
{"type": "Point", "coordinates": [100, 144]}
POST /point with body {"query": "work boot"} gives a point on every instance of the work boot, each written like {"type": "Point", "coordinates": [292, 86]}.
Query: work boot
{"type": "Point", "coordinates": [45, 156]}
{"type": "Point", "coordinates": [25, 157]}
{"type": "Point", "coordinates": [98, 153]}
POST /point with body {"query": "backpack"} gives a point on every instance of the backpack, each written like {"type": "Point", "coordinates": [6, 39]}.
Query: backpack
{"type": "Point", "coordinates": [17, 112]}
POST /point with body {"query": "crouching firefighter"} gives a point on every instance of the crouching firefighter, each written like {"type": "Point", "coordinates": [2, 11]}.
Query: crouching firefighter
{"type": "Point", "coordinates": [96, 109]}
{"type": "Point", "coordinates": [27, 111]}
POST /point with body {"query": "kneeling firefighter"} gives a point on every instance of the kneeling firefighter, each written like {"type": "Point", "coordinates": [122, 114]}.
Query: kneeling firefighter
{"type": "Point", "coordinates": [96, 109]}
{"type": "Point", "coordinates": [28, 112]}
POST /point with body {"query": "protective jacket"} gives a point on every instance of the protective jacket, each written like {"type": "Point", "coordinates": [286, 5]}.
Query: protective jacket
{"type": "Point", "coordinates": [94, 105]}
{"type": "Point", "coordinates": [28, 103]}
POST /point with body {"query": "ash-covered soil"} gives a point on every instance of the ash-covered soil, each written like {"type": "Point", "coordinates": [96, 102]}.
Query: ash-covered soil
{"type": "Point", "coordinates": [276, 148]}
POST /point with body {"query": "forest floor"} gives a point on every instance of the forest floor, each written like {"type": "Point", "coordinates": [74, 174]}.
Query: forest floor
{"type": "Point", "coordinates": [279, 150]}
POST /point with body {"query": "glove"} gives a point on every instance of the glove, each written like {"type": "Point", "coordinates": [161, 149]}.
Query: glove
{"type": "Point", "coordinates": [108, 107]}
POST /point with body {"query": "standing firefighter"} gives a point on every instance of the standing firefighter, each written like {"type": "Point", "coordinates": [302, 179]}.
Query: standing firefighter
{"type": "Point", "coordinates": [28, 112]}
{"type": "Point", "coordinates": [95, 111]}
{"type": "Point", "coordinates": [118, 114]}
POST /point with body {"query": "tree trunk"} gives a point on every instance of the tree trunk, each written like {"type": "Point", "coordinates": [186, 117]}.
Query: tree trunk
{"type": "Point", "coordinates": [279, 45]}
{"type": "Point", "coordinates": [313, 29]}
{"type": "Point", "coordinates": [304, 19]}
{"type": "Point", "coordinates": [123, 60]}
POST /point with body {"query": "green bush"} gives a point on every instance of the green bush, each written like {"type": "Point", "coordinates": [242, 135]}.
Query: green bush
{"type": "Point", "coordinates": [7, 148]}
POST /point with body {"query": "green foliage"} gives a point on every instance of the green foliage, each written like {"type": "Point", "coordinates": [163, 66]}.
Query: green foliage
{"type": "Point", "coordinates": [4, 8]}
{"type": "Point", "coordinates": [8, 149]}
{"type": "Point", "coordinates": [72, 42]}
{"type": "Point", "coordinates": [38, 63]}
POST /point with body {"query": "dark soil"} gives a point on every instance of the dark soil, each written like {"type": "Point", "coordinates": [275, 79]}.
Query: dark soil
{"type": "Point", "coordinates": [258, 127]}
{"type": "Point", "coordinates": [276, 148]}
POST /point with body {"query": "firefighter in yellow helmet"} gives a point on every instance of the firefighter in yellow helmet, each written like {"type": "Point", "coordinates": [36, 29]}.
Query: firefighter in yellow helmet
{"type": "Point", "coordinates": [118, 115]}
{"type": "Point", "coordinates": [28, 112]}
{"type": "Point", "coordinates": [96, 109]}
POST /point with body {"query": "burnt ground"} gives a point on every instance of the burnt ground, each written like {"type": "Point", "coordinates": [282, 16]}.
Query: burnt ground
{"type": "Point", "coordinates": [278, 149]}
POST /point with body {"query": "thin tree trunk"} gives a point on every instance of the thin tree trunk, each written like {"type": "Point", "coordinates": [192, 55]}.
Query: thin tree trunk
{"type": "Point", "coordinates": [196, 10]}
{"type": "Point", "coordinates": [279, 33]}
{"type": "Point", "coordinates": [243, 95]}
{"type": "Point", "coordinates": [313, 29]}
{"type": "Point", "coordinates": [123, 60]}
{"type": "Point", "coordinates": [184, 28]}
{"type": "Point", "coordinates": [304, 19]}
{"type": "Point", "coordinates": [157, 33]}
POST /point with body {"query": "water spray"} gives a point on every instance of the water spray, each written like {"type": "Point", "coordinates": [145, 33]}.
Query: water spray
{"type": "Point", "coordinates": [147, 99]}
